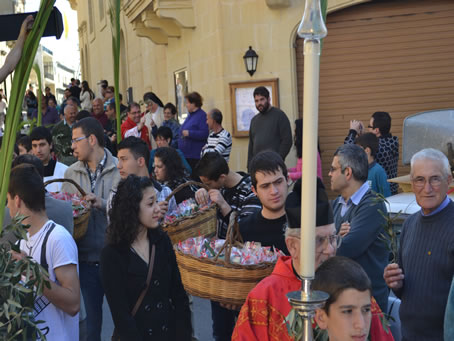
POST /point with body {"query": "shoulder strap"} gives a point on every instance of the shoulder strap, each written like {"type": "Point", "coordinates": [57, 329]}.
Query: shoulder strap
{"type": "Point", "coordinates": [44, 247]}
{"type": "Point", "coordinates": [144, 291]}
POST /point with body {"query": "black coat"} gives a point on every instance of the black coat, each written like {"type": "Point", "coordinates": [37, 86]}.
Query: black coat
{"type": "Point", "coordinates": [164, 312]}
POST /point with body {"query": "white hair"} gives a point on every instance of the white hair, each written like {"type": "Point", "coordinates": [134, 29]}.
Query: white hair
{"type": "Point", "coordinates": [289, 232]}
{"type": "Point", "coordinates": [434, 155]}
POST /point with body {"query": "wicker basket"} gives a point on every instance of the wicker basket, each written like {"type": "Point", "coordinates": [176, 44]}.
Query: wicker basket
{"type": "Point", "coordinates": [220, 280]}
{"type": "Point", "coordinates": [80, 222]}
{"type": "Point", "coordinates": [200, 223]}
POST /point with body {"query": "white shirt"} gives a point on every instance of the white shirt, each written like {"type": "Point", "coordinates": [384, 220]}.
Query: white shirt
{"type": "Point", "coordinates": [60, 250]}
{"type": "Point", "coordinates": [59, 173]}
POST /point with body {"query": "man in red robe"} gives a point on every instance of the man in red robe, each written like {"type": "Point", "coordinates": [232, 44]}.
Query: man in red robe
{"type": "Point", "coordinates": [135, 125]}
{"type": "Point", "coordinates": [262, 316]}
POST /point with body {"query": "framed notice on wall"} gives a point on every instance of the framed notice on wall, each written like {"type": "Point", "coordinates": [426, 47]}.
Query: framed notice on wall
{"type": "Point", "coordinates": [243, 105]}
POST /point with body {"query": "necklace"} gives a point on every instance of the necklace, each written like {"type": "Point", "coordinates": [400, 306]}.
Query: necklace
{"type": "Point", "coordinates": [30, 246]}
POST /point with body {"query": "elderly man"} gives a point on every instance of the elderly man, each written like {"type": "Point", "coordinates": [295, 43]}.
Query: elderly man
{"type": "Point", "coordinates": [219, 139]}
{"type": "Point", "coordinates": [61, 135]}
{"type": "Point", "coordinates": [424, 273]}
{"type": "Point", "coordinates": [357, 217]}
{"type": "Point", "coordinates": [135, 124]}
{"type": "Point", "coordinates": [262, 315]}
{"type": "Point", "coordinates": [98, 112]}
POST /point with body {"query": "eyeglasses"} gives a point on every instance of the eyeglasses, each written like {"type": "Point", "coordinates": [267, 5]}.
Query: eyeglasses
{"type": "Point", "coordinates": [335, 241]}
{"type": "Point", "coordinates": [434, 181]}
{"type": "Point", "coordinates": [78, 139]}
{"type": "Point", "coordinates": [332, 169]}
{"type": "Point", "coordinates": [370, 127]}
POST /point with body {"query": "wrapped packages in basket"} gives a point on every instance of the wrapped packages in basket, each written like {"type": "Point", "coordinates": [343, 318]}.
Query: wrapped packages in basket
{"type": "Point", "coordinates": [192, 220]}
{"type": "Point", "coordinates": [224, 270]}
{"type": "Point", "coordinates": [81, 208]}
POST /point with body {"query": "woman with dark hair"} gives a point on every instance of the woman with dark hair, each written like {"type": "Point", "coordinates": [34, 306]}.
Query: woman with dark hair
{"type": "Point", "coordinates": [169, 170]}
{"type": "Point", "coordinates": [86, 97]}
{"type": "Point", "coordinates": [170, 114]}
{"type": "Point", "coordinates": [31, 101]}
{"type": "Point", "coordinates": [194, 131]}
{"type": "Point", "coordinates": [295, 172]}
{"type": "Point", "coordinates": [136, 246]}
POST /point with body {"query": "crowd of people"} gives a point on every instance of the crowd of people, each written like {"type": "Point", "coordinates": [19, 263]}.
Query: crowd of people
{"type": "Point", "coordinates": [126, 257]}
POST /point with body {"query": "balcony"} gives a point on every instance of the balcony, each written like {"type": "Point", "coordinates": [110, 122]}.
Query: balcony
{"type": "Point", "coordinates": [49, 72]}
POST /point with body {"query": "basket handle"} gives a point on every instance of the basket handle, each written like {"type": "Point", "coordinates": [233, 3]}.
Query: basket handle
{"type": "Point", "coordinates": [80, 189]}
{"type": "Point", "coordinates": [233, 236]}
{"type": "Point", "coordinates": [186, 184]}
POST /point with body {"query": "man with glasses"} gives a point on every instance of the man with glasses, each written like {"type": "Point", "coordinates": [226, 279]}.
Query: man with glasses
{"type": "Point", "coordinates": [357, 217]}
{"type": "Point", "coordinates": [388, 145]}
{"type": "Point", "coordinates": [96, 172]}
{"type": "Point", "coordinates": [135, 124]}
{"type": "Point", "coordinates": [423, 275]}
{"type": "Point", "coordinates": [262, 315]}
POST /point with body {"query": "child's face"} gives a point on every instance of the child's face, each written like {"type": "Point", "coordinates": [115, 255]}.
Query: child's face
{"type": "Point", "coordinates": [349, 316]}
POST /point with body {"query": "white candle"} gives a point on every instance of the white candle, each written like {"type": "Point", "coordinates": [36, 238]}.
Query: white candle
{"type": "Point", "coordinates": [309, 177]}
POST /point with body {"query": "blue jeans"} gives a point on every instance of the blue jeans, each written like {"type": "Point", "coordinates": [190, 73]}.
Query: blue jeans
{"type": "Point", "coordinates": [93, 294]}
{"type": "Point", "coordinates": [223, 322]}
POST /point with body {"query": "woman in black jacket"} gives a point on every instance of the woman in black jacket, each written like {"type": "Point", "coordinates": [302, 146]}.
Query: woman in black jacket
{"type": "Point", "coordinates": [133, 230]}
{"type": "Point", "coordinates": [169, 171]}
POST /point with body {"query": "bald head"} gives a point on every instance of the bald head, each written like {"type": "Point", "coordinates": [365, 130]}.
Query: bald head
{"type": "Point", "coordinates": [70, 113]}
{"type": "Point", "coordinates": [98, 106]}
{"type": "Point", "coordinates": [73, 101]}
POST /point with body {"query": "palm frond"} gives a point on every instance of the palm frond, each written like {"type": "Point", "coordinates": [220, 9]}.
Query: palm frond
{"type": "Point", "coordinates": [20, 78]}
{"type": "Point", "coordinates": [114, 16]}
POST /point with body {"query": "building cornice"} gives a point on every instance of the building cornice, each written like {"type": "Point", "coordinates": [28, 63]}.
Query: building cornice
{"type": "Point", "coordinates": [134, 8]}
{"type": "Point", "coordinates": [158, 20]}
{"type": "Point", "coordinates": [274, 4]}
{"type": "Point", "coordinates": [73, 4]}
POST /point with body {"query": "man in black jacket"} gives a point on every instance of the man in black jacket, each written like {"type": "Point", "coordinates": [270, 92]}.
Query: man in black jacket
{"type": "Point", "coordinates": [388, 145]}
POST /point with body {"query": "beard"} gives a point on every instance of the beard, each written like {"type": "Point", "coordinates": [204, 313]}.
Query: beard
{"type": "Point", "coordinates": [263, 108]}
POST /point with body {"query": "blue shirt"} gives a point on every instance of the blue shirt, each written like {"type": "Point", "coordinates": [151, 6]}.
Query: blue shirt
{"type": "Point", "coordinates": [355, 198]}
{"type": "Point", "coordinates": [378, 180]}
{"type": "Point", "coordinates": [439, 208]}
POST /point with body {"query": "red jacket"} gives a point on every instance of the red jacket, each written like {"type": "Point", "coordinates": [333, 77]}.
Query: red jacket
{"type": "Point", "coordinates": [130, 124]}
{"type": "Point", "coordinates": [263, 314]}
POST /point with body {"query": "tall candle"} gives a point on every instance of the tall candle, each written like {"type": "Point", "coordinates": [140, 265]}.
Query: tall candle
{"type": "Point", "coordinates": [309, 176]}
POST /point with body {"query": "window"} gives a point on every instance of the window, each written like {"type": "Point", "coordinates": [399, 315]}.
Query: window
{"type": "Point", "coordinates": [101, 10]}
{"type": "Point", "coordinates": [90, 16]}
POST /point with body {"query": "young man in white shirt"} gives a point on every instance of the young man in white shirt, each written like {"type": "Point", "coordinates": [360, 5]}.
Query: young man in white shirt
{"type": "Point", "coordinates": [59, 305]}
{"type": "Point", "coordinates": [41, 139]}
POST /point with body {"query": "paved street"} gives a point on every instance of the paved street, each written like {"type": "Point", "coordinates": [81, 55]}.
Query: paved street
{"type": "Point", "coordinates": [202, 316]}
